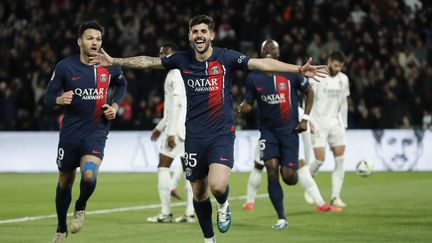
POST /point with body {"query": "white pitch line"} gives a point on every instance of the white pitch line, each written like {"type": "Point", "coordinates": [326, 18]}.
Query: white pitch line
{"type": "Point", "coordinates": [113, 210]}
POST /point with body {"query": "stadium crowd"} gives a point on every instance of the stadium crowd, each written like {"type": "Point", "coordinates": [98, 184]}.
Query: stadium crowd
{"type": "Point", "coordinates": [388, 45]}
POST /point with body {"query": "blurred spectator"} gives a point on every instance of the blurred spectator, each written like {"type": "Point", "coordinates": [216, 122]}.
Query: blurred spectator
{"type": "Point", "coordinates": [387, 43]}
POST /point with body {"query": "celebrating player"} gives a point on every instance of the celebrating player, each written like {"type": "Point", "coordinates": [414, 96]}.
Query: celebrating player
{"type": "Point", "coordinates": [276, 94]}
{"type": "Point", "coordinates": [172, 144]}
{"type": "Point", "coordinates": [207, 74]}
{"type": "Point", "coordinates": [329, 118]}
{"type": "Point", "coordinates": [82, 89]}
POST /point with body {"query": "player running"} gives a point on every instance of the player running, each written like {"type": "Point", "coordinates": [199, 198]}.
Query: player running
{"type": "Point", "coordinates": [82, 90]}
{"type": "Point", "coordinates": [207, 74]}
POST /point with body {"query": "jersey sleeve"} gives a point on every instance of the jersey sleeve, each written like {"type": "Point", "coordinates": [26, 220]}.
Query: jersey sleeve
{"type": "Point", "coordinates": [237, 60]}
{"type": "Point", "coordinates": [302, 83]}
{"type": "Point", "coordinates": [120, 83]}
{"type": "Point", "coordinates": [250, 90]}
{"type": "Point", "coordinates": [55, 85]}
{"type": "Point", "coordinates": [171, 61]}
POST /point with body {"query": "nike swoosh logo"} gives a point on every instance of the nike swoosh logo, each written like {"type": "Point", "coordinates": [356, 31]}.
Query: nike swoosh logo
{"type": "Point", "coordinates": [96, 152]}
{"type": "Point", "coordinates": [259, 88]}
{"type": "Point", "coordinates": [75, 78]}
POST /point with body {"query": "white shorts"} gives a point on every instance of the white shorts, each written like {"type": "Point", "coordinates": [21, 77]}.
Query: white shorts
{"type": "Point", "coordinates": [178, 150]}
{"type": "Point", "coordinates": [335, 136]}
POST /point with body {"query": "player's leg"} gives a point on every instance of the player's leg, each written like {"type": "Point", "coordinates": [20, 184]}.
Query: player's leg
{"type": "Point", "coordinates": [196, 171]}
{"type": "Point", "coordinates": [337, 145]}
{"type": "Point", "coordinates": [177, 175]}
{"type": "Point", "coordinates": [218, 179]}
{"type": "Point", "coordinates": [275, 192]}
{"type": "Point", "coordinates": [311, 189]}
{"type": "Point", "coordinates": [254, 180]}
{"type": "Point", "coordinates": [67, 161]}
{"type": "Point", "coordinates": [338, 176]}
{"type": "Point", "coordinates": [189, 215]}
{"type": "Point", "coordinates": [89, 167]}
{"type": "Point", "coordinates": [319, 141]}
{"type": "Point", "coordinates": [164, 183]}
{"type": "Point", "coordinates": [221, 156]}
{"type": "Point", "coordinates": [203, 208]}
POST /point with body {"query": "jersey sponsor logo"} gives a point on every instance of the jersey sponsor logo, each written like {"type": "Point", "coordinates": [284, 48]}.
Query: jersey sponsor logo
{"type": "Point", "coordinates": [103, 78]}
{"type": "Point", "coordinates": [90, 93]}
{"type": "Point", "coordinates": [203, 84]}
{"type": "Point", "coordinates": [273, 99]}
{"type": "Point", "coordinates": [76, 78]}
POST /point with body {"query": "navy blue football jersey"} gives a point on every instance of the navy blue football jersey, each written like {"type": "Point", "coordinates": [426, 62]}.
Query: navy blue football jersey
{"type": "Point", "coordinates": [90, 85]}
{"type": "Point", "coordinates": [276, 96]}
{"type": "Point", "coordinates": [208, 89]}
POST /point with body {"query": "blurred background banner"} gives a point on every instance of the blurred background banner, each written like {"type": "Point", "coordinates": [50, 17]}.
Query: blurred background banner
{"type": "Point", "coordinates": [390, 150]}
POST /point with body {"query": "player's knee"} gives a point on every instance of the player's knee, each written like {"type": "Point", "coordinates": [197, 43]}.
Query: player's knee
{"type": "Point", "coordinates": [291, 180]}
{"type": "Point", "coordinates": [89, 172]}
{"type": "Point", "coordinates": [289, 176]}
{"type": "Point", "coordinates": [217, 188]}
{"type": "Point", "coordinates": [272, 173]}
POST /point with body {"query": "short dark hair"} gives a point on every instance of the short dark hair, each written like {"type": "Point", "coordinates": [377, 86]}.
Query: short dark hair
{"type": "Point", "coordinates": [337, 55]}
{"type": "Point", "coordinates": [171, 45]}
{"type": "Point", "coordinates": [202, 19]}
{"type": "Point", "coordinates": [89, 25]}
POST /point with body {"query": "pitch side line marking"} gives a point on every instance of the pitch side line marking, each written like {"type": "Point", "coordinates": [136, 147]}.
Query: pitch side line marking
{"type": "Point", "coordinates": [114, 210]}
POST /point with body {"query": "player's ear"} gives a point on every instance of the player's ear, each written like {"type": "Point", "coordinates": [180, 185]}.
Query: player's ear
{"type": "Point", "coordinates": [79, 42]}
{"type": "Point", "coordinates": [212, 35]}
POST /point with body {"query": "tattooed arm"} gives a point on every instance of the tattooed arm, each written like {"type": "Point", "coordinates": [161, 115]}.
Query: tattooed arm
{"type": "Point", "coordinates": [138, 62]}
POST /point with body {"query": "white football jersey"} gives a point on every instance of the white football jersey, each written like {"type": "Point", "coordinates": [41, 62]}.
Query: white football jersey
{"type": "Point", "coordinates": [330, 95]}
{"type": "Point", "coordinates": [174, 115]}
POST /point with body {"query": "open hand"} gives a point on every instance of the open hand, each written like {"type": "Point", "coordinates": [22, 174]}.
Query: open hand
{"type": "Point", "coordinates": [101, 58]}
{"type": "Point", "coordinates": [313, 71]}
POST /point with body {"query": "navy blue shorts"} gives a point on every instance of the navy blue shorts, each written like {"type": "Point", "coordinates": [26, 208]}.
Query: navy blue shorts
{"type": "Point", "coordinates": [69, 154]}
{"type": "Point", "coordinates": [282, 144]}
{"type": "Point", "coordinates": [201, 152]}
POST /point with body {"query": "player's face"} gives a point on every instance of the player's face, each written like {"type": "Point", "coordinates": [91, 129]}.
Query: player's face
{"type": "Point", "coordinates": [201, 37]}
{"type": "Point", "coordinates": [270, 50]}
{"type": "Point", "coordinates": [91, 40]}
{"type": "Point", "coordinates": [400, 151]}
{"type": "Point", "coordinates": [165, 51]}
{"type": "Point", "coordinates": [335, 67]}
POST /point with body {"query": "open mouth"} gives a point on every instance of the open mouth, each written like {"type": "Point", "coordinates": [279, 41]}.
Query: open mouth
{"type": "Point", "coordinates": [93, 49]}
{"type": "Point", "coordinates": [199, 42]}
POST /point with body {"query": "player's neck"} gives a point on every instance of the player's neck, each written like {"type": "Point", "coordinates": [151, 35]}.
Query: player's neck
{"type": "Point", "coordinates": [84, 58]}
{"type": "Point", "coordinates": [204, 56]}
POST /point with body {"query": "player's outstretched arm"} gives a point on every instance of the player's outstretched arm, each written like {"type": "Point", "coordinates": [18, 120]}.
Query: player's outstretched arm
{"type": "Point", "coordinates": [138, 62]}
{"type": "Point", "coordinates": [273, 65]}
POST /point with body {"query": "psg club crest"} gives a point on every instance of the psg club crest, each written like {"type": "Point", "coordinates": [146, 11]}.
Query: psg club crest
{"type": "Point", "coordinates": [215, 70]}
{"type": "Point", "coordinates": [103, 78]}
{"type": "Point", "coordinates": [282, 86]}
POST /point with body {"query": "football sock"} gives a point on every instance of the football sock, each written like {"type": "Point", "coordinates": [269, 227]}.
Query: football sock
{"type": "Point", "coordinates": [276, 197]}
{"type": "Point", "coordinates": [222, 198]}
{"type": "Point", "coordinates": [314, 166]}
{"type": "Point", "coordinates": [164, 182]}
{"type": "Point", "coordinates": [62, 200]}
{"type": "Point", "coordinates": [189, 199]}
{"type": "Point", "coordinates": [338, 176]}
{"type": "Point", "coordinates": [86, 190]}
{"type": "Point", "coordinates": [254, 182]}
{"type": "Point", "coordinates": [178, 173]}
{"type": "Point", "coordinates": [309, 185]}
{"type": "Point", "coordinates": [203, 211]}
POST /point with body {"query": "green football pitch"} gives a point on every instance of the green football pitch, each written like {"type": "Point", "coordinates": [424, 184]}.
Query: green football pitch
{"type": "Point", "coordinates": [385, 207]}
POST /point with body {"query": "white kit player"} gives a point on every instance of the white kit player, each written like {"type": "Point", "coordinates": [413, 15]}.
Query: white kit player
{"type": "Point", "coordinates": [329, 119]}
{"type": "Point", "coordinates": [172, 144]}
{"type": "Point", "coordinates": [312, 192]}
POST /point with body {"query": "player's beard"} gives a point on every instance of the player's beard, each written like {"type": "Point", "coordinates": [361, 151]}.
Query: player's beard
{"type": "Point", "coordinates": [206, 45]}
{"type": "Point", "coordinates": [332, 72]}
